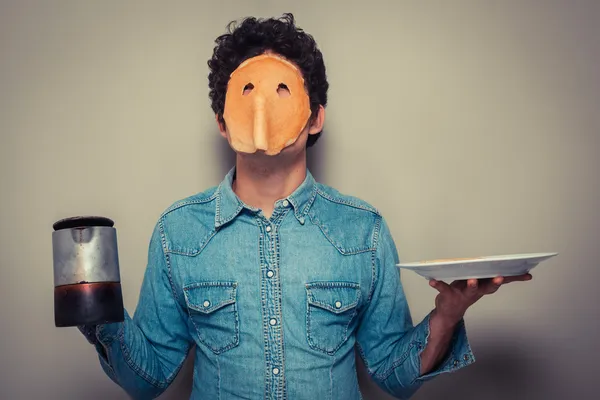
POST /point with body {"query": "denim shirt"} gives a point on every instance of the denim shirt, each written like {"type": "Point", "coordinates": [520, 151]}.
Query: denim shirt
{"type": "Point", "coordinates": [274, 308]}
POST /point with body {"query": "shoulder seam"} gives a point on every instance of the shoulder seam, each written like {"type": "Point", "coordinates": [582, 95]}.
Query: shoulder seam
{"type": "Point", "coordinates": [377, 230]}
{"type": "Point", "coordinates": [184, 203]}
{"type": "Point", "coordinates": [348, 203]}
{"type": "Point", "coordinates": [374, 249]}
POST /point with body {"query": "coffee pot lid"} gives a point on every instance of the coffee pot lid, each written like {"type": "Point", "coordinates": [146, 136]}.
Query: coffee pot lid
{"type": "Point", "coordinates": [82, 222]}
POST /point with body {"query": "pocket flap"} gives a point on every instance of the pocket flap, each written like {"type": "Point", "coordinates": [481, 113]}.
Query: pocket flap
{"type": "Point", "coordinates": [207, 297]}
{"type": "Point", "coordinates": [336, 297]}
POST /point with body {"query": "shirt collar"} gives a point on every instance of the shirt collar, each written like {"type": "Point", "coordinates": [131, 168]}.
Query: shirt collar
{"type": "Point", "coordinates": [229, 205]}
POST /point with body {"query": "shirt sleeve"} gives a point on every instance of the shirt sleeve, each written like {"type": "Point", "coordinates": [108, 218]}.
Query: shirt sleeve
{"type": "Point", "coordinates": [388, 342]}
{"type": "Point", "coordinates": [143, 354]}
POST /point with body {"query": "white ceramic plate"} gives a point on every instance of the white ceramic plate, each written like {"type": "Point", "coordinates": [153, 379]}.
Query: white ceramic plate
{"type": "Point", "coordinates": [477, 267]}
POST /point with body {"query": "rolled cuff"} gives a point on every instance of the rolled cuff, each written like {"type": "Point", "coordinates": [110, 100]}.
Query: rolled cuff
{"type": "Point", "coordinates": [459, 354]}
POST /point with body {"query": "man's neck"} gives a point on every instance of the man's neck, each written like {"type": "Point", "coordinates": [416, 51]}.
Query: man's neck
{"type": "Point", "coordinates": [261, 181]}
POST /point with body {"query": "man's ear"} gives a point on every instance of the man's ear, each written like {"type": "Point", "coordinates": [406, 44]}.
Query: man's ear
{"type": "Point", "coordinates": [317, 122]}
{"type": "Point", "coordinates": [221, 126]}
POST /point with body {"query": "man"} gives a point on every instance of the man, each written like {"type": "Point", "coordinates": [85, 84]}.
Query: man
{"type": "Point", "coordinates": [275, 278]}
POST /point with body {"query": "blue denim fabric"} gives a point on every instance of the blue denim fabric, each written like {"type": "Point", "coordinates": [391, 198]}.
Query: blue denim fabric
{"type": "Point", "coordinates": [275, 307]}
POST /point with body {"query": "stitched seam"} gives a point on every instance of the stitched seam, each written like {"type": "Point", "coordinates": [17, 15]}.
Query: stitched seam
{"type": "Point", "coordinates": [263, 289]}
{"type": "Point", "coordinates": [178, 368]}
{"type": "Point", "coordinates": [108, 362]}
{"type": "Point", "coordinates": [136, 368]}
{"type": "Point", "coordinates": [167, 259]}
{"type": "Point", "coordinates": [233, 215]}
{"type": "Point", "coordinates": [218, 206]}
{"type": "Point", "coordinates": [376, 232]}
{"type": "Point", "coordinates": [311, 200]}
{"type": "Point", "coordinates": [333, 350]}
{"type": "Point", "coordinates": [173, 290]}
{"type": "Point", "coordinates": [189, 202]}
{"type": "Point", "coordinates": [347, 202]}
{"type": "Point", "coordinates": [278, 307]}
{"type": "Point", "coordinates": [332, 284]}
{"type": "Point", "coordinates": [235, 339]}
{"type": "Point", "coordinates": [209, 310]}
{"type": "Point", "coordinates": [121, 333]}
{"type": "Point", "coordinates": [329, 308]}
{"type": "Point", "coordinates": [107, 339]}
{"type": "Point", "coordinates": [193, 253]}
{"type": "Point", "coordinates": [203, 341]}
{"type": "Point", "coordinates": [310, 339]}
{"type": "Point", "coordinates": [331, 379]}
{"type": "Point", "coordinates": [384, 375]}
{"type": "Point", "coordinates": [327, 285]}
{"type": "Point", "coordinates": [334, 244]}
{"type": "Point", "coordinates": [363, 356]}
{"type": "Point", "coordinates": [374, 259]}
{"type": "Point", "coordinates": [218, 378]}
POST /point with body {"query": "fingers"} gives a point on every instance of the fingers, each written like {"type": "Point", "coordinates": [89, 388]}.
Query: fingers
{"type": "Point", "coordinates": [518, 278]}
{"type": "Point", "coordinates": [492, 285]}
{"type": "Point", "coordinates": [478, 287]}
{"type": "Point", "coordinates": [439, 286]}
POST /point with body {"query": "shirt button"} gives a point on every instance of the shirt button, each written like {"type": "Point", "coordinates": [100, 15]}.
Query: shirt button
{"type": "Point", "coordinates": [338, 304]}
{"type": "Point", "coordinates": [273, 321]}
{"type": "Point", "coordinates": [268, 229]}
{"type": "Point", "coordinates": [275, 371]}
{"type": "Point", "coordinates": [286, 203]}
{"type": "Point", "coordinates": [270, 274]}
{"type": "Point", "coordinates": [206, 303]}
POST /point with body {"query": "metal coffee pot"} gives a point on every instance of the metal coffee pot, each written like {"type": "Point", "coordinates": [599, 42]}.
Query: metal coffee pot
{"type": "Point", "coordinates": [87, 282]}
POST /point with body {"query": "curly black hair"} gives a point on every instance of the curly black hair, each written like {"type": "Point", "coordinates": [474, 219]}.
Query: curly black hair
{"type": "Point", "coordinates": [254, 36]}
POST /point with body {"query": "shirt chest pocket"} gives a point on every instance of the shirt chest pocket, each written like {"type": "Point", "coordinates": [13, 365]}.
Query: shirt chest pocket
{"type": "Point", "coordinates": [330, 312]}
{"type": "Point", "coordinates": [213, 311]}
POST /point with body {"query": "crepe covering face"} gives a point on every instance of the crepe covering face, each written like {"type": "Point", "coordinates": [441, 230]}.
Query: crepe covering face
{"type": "Point", "coordinates": [266, 105]}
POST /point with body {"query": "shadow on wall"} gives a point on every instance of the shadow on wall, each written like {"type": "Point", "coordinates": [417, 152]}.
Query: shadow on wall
{"type": "Point", "coordinates": [516, 370]}
{"type": "Point", "coordinates": [225, 155]}
{"type": "Point", "coordinates": [316, 157]}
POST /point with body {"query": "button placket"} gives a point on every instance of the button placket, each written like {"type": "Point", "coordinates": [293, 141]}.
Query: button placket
{"type": "Point", "coordinates": [271, 294]}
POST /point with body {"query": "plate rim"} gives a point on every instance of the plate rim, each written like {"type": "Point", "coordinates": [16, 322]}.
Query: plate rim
{"type": "Point", "coordinates": [475, 260]}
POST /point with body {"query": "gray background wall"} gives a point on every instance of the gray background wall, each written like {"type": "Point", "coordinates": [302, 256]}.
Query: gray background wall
{"type": "Point", "coordinates": [472, 125]}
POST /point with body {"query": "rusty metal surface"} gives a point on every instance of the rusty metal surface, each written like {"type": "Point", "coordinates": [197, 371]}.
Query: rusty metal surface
{"type": "Point", "coordinates": [88, 304]}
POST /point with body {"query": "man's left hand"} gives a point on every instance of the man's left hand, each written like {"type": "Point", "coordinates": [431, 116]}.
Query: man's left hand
{"type": "Point", "coordinates": [454, 299]}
